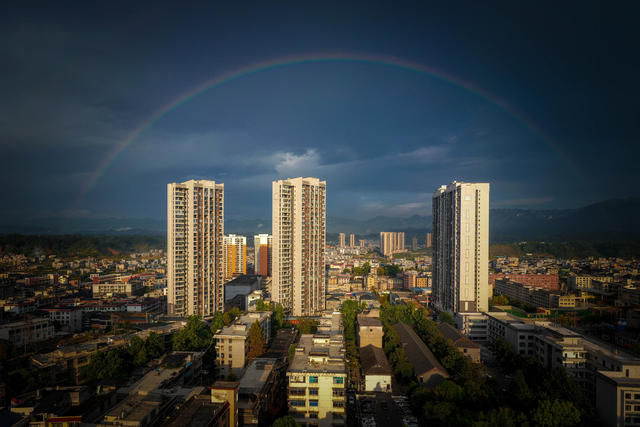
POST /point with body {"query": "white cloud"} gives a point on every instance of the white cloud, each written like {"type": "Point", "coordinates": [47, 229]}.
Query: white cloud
{"type": "Point", "coordinates": [409, 208]}
{"type": "Point", "coordinates": [428, 154]}
{"type": "Point", "coordinates": [290, 164]}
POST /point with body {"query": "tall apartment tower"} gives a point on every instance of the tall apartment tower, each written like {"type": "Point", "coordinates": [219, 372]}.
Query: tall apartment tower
{"type": "Point", "coordinates": [461, 247]}
{"type": "Point", "coordinates": [352, 240]}
{"type": "Point", "coordinates": [343, 241]}
{"type": "Point", "coordinates": [414, 243]}
{"type": "Point", "coordinates": [262, 246]}
{"type": "Point", "coordinates": [235, 255]}
{"type": "Point", "coordinates": [428, 240]}
{"type": "Point", "coordinates": [391, 242]}
{"type": "Point", "coordinates": [299, 238]}
{"type": "Point", "coordinates": [195, 247]}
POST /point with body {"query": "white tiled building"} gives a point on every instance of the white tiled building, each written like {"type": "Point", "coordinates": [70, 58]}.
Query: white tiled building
{"type": "Point", "coordinates": [299, 238]}
{"type": "Point", "coordinates": [195, 250]}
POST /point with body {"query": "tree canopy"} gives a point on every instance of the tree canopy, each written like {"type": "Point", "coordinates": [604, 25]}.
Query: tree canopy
{"type": "Point", "coordinates": [256, 341]}
{"type": "Point", "coordinates": [195, 336]}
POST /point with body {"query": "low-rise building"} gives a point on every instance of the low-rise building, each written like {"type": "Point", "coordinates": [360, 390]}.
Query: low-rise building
{"type": "Point", "coordinates": [376, 369]}
{"type": "Point", "coordinates": [469, 348]}
{"type": "Point", "coordinates": [27, 331]}
{"type": "Point", "coordinates": [69, 318]}
{"type": "Point", "coordinates": [258, 391]}
{"type": "Point", "coordinates": [369, 331]}
{"type": "Point", "coordinates": [426, 366]}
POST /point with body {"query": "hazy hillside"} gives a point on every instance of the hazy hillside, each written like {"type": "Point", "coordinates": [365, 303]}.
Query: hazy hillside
{"type": "Point", "coordinates": [608, 219]}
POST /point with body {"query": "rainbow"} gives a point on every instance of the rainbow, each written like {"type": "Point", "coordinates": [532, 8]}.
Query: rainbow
{"type": "Point", "coordinates": [259, 67]}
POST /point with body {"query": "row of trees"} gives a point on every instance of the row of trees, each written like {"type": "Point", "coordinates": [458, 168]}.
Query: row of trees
{"type": "Point", "coordinates": [118, 363]}
{"type": "Point", "coordinates": [533, 397]}
{"type": "Point", "coordinates": [350, 310]}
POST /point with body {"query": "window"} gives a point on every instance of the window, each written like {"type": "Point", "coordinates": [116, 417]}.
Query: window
{"type": "Point", "coordinates": [313, 379]}
{"type": "Point", "coordinates": [313, 392]}
{"type": "Point", "coordinates": [297, 402]}
{"type": "Point", "coordinates": [338, 404]}
{"type": "Point", "coordinates": [338, 380]}
{"type": "Point", "coordinates": [338, 392]}
{"type": "Point", "coordinates": [313, 403]}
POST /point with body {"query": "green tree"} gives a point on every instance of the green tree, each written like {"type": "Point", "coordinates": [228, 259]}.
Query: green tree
{"type": "Point", "coordinates": [499, 300]}
{"type": "Point", "coordinates": [113, 364]}
{"type": "Point", "coordinates": [217, 322]}
{"type": "Point", "coordinates": [256, 341]}
{"type": "Point", "coordinates": [558, 413]}
{"type": "Point", "coordinates": [307, 326]}
{"type": "Point", "coordinates": [154, 346]}
{"type": "Point", "coordinates": [286, 421]}
{"type": "Point", "coordinates": [141, 358]}
{"type": "Point", "coordinates": [446, 317]}
{"type": "Point", "coordinates": [194, 336]}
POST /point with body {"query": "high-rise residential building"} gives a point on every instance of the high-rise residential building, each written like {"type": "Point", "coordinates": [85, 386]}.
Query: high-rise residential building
{"type": "Point", "coordinates": [195, 247]}
{"type": "Point", "coordinates": [414, 243]}
{"type": "Point", "coordinates": [428, 240]}
{"type": "Point", "coordinates": [461, 247]}
{"type": "Point", "coordinates": [299, 238]}
{"type": "Point", "coordinates": [262, 246]}
{"type": "Point", "coordinates": [235, 255]}
{"type": "Point", "coordinates": [362, 243]}
{"type": "Point", "coordinates": [352, 240]}
{"type": "Point", "coordinates": [391, 242]}
{"type": "Point", "coordinates": [342, 240]}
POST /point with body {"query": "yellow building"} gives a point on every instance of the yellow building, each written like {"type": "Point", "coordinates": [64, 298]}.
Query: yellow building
{"type": "Point", "coordinates": [317, 377]}
{"type": "Point", "coordinates": [235, 251]}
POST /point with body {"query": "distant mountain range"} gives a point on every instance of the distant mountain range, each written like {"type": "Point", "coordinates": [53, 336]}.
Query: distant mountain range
{"type": "Point", "coordinates": [611, 218]}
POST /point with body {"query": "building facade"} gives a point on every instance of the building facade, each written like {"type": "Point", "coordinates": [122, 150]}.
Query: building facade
{"type": "Point", "coordinates": [317, 377]}
{"type": "Point", "coordinates": [391, 242]}
{"type": "Point", "coordinates": [342, 239]}
{"type": "Point", "coordinates": [262, 246]}
{"type": "Point", "coordinates": [352, 240]}
{"type": "Point", "coordinates": [461, 250]}
{"type": "Point", "coordinates": [235, 260]}
{"type": "Point", "coordinates": [299, 238]}
{"type": "Point", "coordinates": [195, 248]}
{"type": "Point", "coordinates": [232, 344]}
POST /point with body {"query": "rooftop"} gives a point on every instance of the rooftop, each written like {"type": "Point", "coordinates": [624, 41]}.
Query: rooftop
{"type": "Point", "coordinates": [417, 351]}
{"type": "Point", "coordinates": [368, 321]}
{"type": "Point", "coordinates": [374, 361]}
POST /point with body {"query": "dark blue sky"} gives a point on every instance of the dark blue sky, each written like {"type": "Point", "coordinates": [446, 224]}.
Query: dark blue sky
{"type": "Point", "coordinates": [76, 78]}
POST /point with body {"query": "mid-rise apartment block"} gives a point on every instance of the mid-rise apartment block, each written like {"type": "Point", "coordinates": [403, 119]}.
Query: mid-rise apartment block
{"type": "Point", "coordinates": [232, 344]}
{"type": "Point", "coordinates": [235, 260]}
{"type": "Point", "coordinates": [317, 377]}
{"type": "Point", "coordinates": [352, 240]}
{"type": "Point", "coordinates": [195, 248]}
{"type": "Point", "coordinates": [299, 238]}
{"type": "Point", "coordinates": [27, 331]}
{"type": "Point", "coordinates": [342, 239]}
{"type": "Point", "coordinates": [461, 248]}
{"type": "Point", "coordinates": [391, 242]}
{"type": "Point", "coordinates": [262, 246]}
{"type": "Point", "coordinates": [113, 289]}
